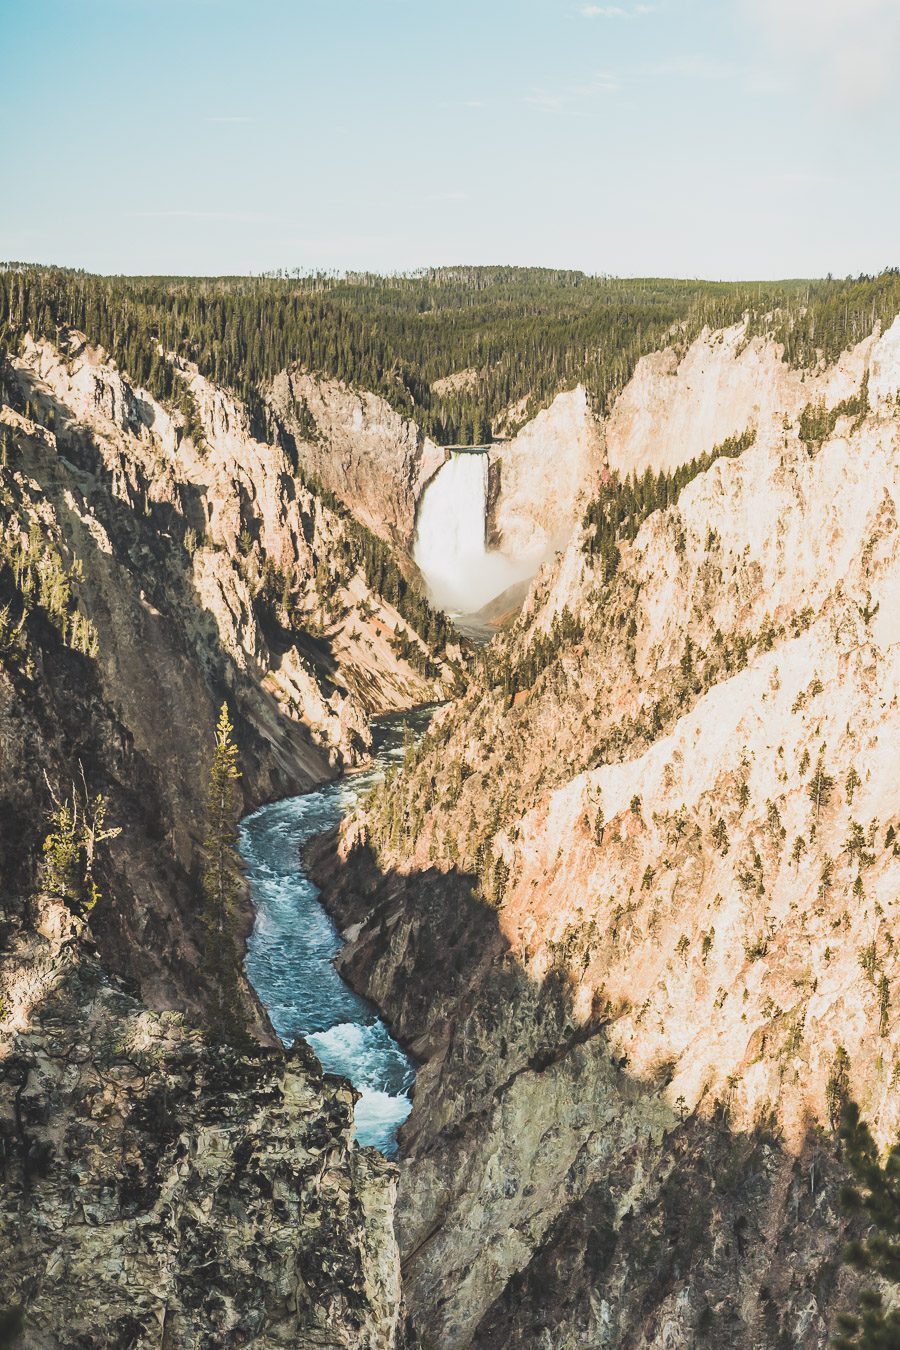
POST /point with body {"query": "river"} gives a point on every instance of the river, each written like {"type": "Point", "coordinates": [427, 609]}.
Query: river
{"type": "Point", "coordinates": [292, 947]}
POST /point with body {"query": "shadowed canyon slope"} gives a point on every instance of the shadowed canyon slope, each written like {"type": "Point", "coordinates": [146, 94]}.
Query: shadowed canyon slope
{"type": "Point", "coordinates": [659, 845]}
{"type": "Point", "coordinates": [149, 572]}
{"type": "Point", "coordinates": [631, 902]}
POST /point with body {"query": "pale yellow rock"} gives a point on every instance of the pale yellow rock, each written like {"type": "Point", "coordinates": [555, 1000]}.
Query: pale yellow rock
{"type": "Point", "coordinates": [547, 473]}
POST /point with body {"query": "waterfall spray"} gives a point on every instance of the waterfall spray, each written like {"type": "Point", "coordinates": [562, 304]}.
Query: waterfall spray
{"type": "Point", "coordinates": [462, 574]}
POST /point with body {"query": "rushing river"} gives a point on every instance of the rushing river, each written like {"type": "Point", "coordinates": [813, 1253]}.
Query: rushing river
{"type": "Point", "coordinates": [293, 944]}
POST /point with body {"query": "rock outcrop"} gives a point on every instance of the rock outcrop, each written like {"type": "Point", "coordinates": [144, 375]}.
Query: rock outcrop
{"type": "Point", "coordinates": [632, 902]}
{"type": "Point", "coordinates": [638, 913]}
{"type": "Point", "coordinates": [679, 405]}
{"type": "Point", "coordinates": [356, 445]}
{"type": "Point", "coordinates": [546, 475]}
{"type": "Point", "coordinates": [159, 1189]}
{"type": "Point", "coordinates": [202, 572]}
{"type": "Point", "coordinates": [275, 587]}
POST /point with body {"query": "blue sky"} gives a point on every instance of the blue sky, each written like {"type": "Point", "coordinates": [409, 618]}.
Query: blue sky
{"type": "Point", "coordinates": [718, 138]}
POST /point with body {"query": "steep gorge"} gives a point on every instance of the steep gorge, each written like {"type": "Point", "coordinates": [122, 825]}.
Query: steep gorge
{"type": "Point", "coordinates": [156, 561]}
{"type": "Point", "coordinates": [631, 902]}
{"type": "Point", "coordinates": [637, 913]}
{"type": "Point", "coordinates": [155, 1187]}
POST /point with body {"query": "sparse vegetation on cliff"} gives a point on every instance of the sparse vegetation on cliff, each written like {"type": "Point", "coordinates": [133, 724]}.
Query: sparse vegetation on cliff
{"type": "Point", "coordinates": [36, 577]}
{"type": "Point", "coordinates": [622, 506]}
{"type": "Point", "coordinates": [77, 827]}
{"type": "Point", "coordinates": [817, 422]}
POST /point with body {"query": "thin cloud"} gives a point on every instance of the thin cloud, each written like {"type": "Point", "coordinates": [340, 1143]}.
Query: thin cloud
{"type": "Point", "coordinates": [696, 66]}
{"type": "Point", "coordinates": [543, 99]}
{"type": "Point", "coordinates": [575, 98]}
{"type": "Point", "coordinates": [228, 119]}
{"type": "Point", "coordinates": [616, 11]}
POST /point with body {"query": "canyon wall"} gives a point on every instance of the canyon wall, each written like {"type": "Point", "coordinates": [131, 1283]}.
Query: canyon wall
{"type": "Point", "coordinates": [162, 1189]}
{"type": "Point", "coordinates": [679, 405]}
{"type": "Point", "coordinates": [356, 445]}
{"type": "Point", "coordinates": [546, 474]}
{"type": "Point", "coordinates": [234, 505]}
{"type": "Point", "coordinates": [206, 572]}
{"type": "Point", "coordinates": [634, 902]}
{"type": "Point", "coordinates": [157, 1186]}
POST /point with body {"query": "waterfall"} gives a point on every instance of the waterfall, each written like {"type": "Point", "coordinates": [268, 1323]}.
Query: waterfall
{"type": "Point", "coordinates": [462, 574]}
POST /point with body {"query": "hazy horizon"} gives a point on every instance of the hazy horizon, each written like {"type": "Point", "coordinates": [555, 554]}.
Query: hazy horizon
{"type": "Point", "coordinates": [722, 139]}
{"type": "Point", "coordinates": [400, 273]}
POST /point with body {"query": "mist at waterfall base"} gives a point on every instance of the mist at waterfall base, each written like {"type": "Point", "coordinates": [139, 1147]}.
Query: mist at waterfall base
{"type": "Point", "coordinates": [462, 574]}
{"type": "Point", "coordinates": [293, 944]}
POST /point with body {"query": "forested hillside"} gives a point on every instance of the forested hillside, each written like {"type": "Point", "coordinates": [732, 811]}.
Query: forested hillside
{"type": "Point", "coordinates": [510, 336]}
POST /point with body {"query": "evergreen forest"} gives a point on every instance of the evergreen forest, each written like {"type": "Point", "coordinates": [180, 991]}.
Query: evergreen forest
{"type": "Point", "coordinates": [511, 337]}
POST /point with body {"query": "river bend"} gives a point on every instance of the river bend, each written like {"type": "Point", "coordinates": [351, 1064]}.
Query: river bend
{"type": "Point", "coordinates": [292, 947]}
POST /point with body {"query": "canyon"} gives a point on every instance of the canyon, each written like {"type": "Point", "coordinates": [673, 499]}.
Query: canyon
{"type": "Point", "coordinates": [629, 904]}
{"type": "Point", "coordinates": [141, 1169]}
{"type": "Point", "coordinates": [663, 955]}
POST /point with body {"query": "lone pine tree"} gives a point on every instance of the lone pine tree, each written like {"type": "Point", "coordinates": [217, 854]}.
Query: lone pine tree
{"type": "Point", "coordinates": [222, 879]}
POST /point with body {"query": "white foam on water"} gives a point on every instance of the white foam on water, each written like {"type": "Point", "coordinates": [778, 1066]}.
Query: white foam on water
{"type": "Point", "coordinates": [378, 1117]}
{"type": "Point", "coordinates": [363, 1052]}
{"type": "Point", "coordinates": [291, 950]}
{"type": "Point", "coordinates": [461, 572]}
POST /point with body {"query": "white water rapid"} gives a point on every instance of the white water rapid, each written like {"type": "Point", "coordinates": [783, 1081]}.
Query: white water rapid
{"type": "Point", "coordinates": [293, 944]}
{"type": "Point", "coordinates": [462, 574]}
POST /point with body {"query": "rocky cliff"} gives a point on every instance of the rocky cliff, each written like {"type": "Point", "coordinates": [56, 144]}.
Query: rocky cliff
{"type": "Point", "coordinates": [201, 569]}
{"type": "Point", "coordinates": [272, 569]}
{"type": "Point", "coordinates": [634, 901]}
{"type": "Point", "coordinates": [545, 475]}
{"type": "Point", "coordinates": [376, 461]}
{"type": "Point", "coordinates": [162, 1190]}
{"type": "Point", "coordinates": [680, 403]}
{"type": "Point", "coordinates": [159, 1188]}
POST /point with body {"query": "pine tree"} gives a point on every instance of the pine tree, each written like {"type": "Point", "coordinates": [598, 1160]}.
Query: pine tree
{"type": "Point", "coordinates": [222, 877]}
{"type": "Point", "coordinates": [820, 787]}
{"type": "Point", "coordinates": [877, 1194]}
{"type": "Point", "coordinates": [77, 827]}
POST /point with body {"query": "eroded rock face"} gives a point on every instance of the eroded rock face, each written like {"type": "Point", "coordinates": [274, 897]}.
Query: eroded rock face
{"type": "Point", "coordinates": [547, 473]}
{"type": "Point", "coordinates": [159, 1189]}
{"type": "Point", "coordinates": [678, 406]}
{"type": "Point", "coordinates": [376, 461]}
{"type": "Point", "coordinates": [638, 920]}
{"type": "Point", "coordinates": [214, 517]}
{"type": "Point", "coordinates": [641, 919]}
